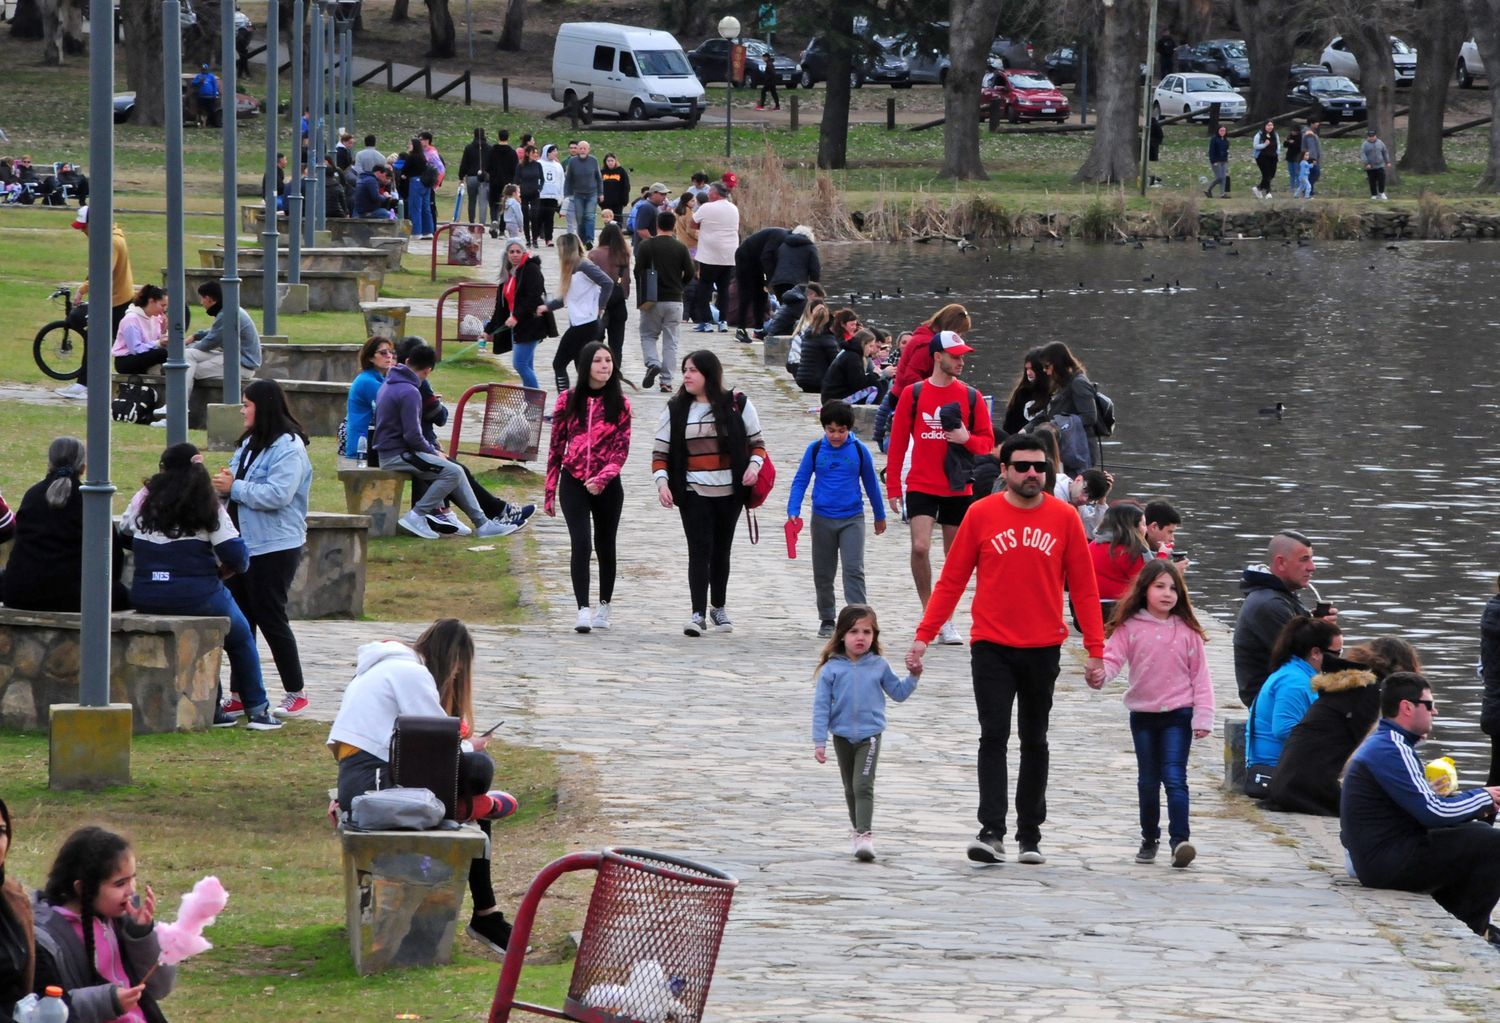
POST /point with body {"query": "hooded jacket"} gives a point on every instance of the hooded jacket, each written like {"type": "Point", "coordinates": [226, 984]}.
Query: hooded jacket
{"type": "Point", "coordinates": [398, 415]}
{"type": "Point", "coordinates": [916, 359]}
{"type": "Point", "coordinates": [849, 372]}
{"type": "Point", "coordinates": [592, 451]}
{"type": "Point", "coordinates": [816, 354]}
{"type": "Point", "coordinates": [797, 261]}
{"type": "Point", "coordinates": [389, 680]}
{"type": "Point", "coordinates": [1489, 666]}
{"type": "Point", "coordinates": [1306, 779]}
{"type": "Point", "coordinates": [849, 700]}
{"type": "Point", "coordinates": [63, 961]}
{"type": "Point", "coordinates": [1268, 606]}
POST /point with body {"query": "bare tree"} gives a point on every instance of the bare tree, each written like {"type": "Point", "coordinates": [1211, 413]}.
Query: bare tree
{"type": "Point", "coordinates": [401, 10]}
{"type": "Point", "coordinates": [1269, 37]}
{"type": "Point", "coordinates": [686, 17]}
{"type": "Point", "coordinates": [971, 27]}
{"type": "Point", "coordinates": [1196, 18]}
{"type": "Point", "coordinates": [1122, 45]}
{"type": "Point", "coordinates": [1437, 32]}
{"type": "Point", "coordinates": [833, 129]}
{"type": "Point", "coordinates": [1366, 27]}
{"type": "Point", "coordinates": [143, 48]}
{"type": "Point", "coordinates": [513, 26]}
{"type": "Point", "coordinates": [440, 29]}
{"type": "Point", "coordinates": [62, 28]}
{"type": "Point", "coordinates": [1484, 16]}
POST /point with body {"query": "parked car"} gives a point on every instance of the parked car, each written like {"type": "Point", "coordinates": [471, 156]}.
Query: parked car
{"type": "Point", "coordinates": [1300, 73]}
{"type": "Point", "coordinates": [124, 103]}
{"type": "Point", "coordinates": [1338, 59]}
{"type": "Point", "coordinates": [1061, 65]}
{"type": "Point", "coordinates": [1224, 57]}
{"type": "Point", "coordinates": [1470, 65]}
{"type": "Point", "coordinates": [1023, 96]}
{"type": "Point", "coordinates": [1339, 97]}
{"type": "Point", "coordinates": [710, 62]}
{"type": "Point", "coordinates": [887, 67]}
{"type": "Point", "coordinates": [1014, 53]}
{"type": "Point", "coordinates": [925, 64]}
{"type": "Point", "coordinates": [1195, 94]}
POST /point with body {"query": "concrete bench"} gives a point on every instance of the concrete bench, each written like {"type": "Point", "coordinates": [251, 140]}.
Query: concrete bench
{"type": "Point", "coordinates": [336, 258]}
{"type": "Point", "coordinates": [331, 363]}
{"type": "Point", "coordinates": [375, 493]}
{"type": "Point", "coordinates": [775, 349]}
{"type": "Point", "coordinates": [1234, 754]}
{"type": "Point", "coordinates": [864, 420]}
{"type": "Point", "coordinates": [402, 894]}
{"type": "Point", "coordinates": [327, 290]}
{"type": "Point", "coordinates": [165, 666]}
{"type": "Point", "coordinates": [361, 231]}
{"type": "Point", "coordinates": [319, 405]}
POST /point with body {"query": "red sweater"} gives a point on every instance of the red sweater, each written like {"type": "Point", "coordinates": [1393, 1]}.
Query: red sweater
{"type": "Point", "coordinates": [1114, 572]}
{"type": "Point", "coordinates": [916, 359]}
{"type": "Point", "coordinates": [1025, 557]}
{"type": "Point", "coordinates": [929, 449]}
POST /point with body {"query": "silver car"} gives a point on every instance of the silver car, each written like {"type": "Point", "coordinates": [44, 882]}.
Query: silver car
{"type": "Point", "coordinates": [1195, 95]}
{"type": "Point", "coordinates": [1339, 60]}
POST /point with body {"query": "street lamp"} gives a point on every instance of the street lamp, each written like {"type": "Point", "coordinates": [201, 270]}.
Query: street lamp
{"type": "Point", "coordinates": [1146, 97]}
{"type": "Point", "coordinates": [729, 30]}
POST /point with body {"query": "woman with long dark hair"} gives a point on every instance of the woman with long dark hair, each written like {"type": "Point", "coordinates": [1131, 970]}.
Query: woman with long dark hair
{"type": "Point", "coordinates": [1266, 147]}
{"type": "Point", "coordinates": [616, 186]}
{"type": "Point", "coordinates": [1028, 398]}
{"type": "Point", "coordinates": [529, 180]}
{"type": "Point", "coordinates": [17, 946]}
{"type": "Point", "coordinates": [1072, 393]}
{"type": "Point", "coordinates": [612, 256]}
{"type": "Point", "coordinates": [584, 290]}
{"type": "Point", "coordinates": [376, 357]}
{"type": "Point", "coordinates": [590, 442]}
{"type": "Point", "coordinates": [520, 308]}
{"type": "Point", "coordinates": [707, 455]}
{"type": "Point", "coordinates": [267, 484]}
{"type": "Point", "coordinates": [1119, 553]}
{"type": "Point", "coordinates": [414, 171]}
{"type": "Point", "coordinates": [184, 542]}
{"type": "Point", "coordinates": [141, 341]}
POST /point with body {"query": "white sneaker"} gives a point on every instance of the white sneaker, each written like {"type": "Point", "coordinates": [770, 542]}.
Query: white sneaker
{"type": "Point", "coordinates": [417, 525]}
{"type": "Point", "coordinates": [695, 625]}
{"type": "Point", "coordinates": [601, 616]}
{"type": "Point", "coordinates": [864, 847]}
{"type": "Point", "coordinates": [496, 527]}
{"type": "Point", "coordinates": [73, 390]}
{"type": "Point", "coordinates": [1383, 197]}
{"type": "Point", "coordinates": [1255, 190]}
{"type": "Point", "coordinates": [585, 620]}
{"type": "Point", "coordinates": [948, 635]}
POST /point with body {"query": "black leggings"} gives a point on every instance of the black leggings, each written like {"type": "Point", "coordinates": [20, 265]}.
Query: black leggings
{"type": "Point", "coordinates": [529, 217]}
{"type": "Point", "coordinates": [140, 362]}
{"type": "Point", "coordinates": [568, 347]}
{"type": "Point", "coordinates": [546, 214]}
{"type": "Point", "coordinates": [1267, 173]}
{"type": "Point", "coordinates": [578, 507]}
{"type": "Point", "coordinates": [615, 314]}
{"type": "Point", "coordinates": [708, 523]}
{"type": "Point", "coordinates": [261, 595]}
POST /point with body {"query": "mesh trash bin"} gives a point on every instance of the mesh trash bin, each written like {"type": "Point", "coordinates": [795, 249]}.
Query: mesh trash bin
{"type": "Point", "coordinates": [511, 422]}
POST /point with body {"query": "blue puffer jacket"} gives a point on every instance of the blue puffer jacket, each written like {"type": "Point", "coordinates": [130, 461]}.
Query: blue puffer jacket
{"type": "Point", "coordinates": [850, 697]}
{"type": "Point", "coordinates": [273, 495]}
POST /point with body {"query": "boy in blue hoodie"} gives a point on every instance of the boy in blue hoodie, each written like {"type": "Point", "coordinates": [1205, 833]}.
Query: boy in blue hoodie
{"type": "Point", "coordinates": [841, 463]}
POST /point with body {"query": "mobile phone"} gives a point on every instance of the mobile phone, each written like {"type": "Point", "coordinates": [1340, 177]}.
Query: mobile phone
{"type": "Point", "coordinates": [1179, 556]}
{"type": "Point", "coordinates": [491, 731]}
{"type": "Point", "coordinates": [1322, 610]}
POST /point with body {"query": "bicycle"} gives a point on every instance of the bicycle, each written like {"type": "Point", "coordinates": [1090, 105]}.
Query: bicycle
{"type": "Point", "coordinates": [59, 346]}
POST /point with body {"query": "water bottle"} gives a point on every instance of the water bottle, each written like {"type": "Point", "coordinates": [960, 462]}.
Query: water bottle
{"type": "Point", "coordinates": [25, 1010]}
{"type": "Point", "coordinates": [362, 451]}
{"type": "Point", "coordinates": [484, 345]}
{"type": "Point", "coordinates": [52, 1008]}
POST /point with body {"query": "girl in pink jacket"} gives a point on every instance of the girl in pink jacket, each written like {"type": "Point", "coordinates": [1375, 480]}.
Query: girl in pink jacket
{"type": "Point", "coordinates": [1170, 698]}
{"type": "Point", "coordinates": [590, 442]}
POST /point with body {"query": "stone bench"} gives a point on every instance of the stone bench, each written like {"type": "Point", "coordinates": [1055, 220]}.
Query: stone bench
{"type": "Point", "coordinates": [775, 349]}
{"type": "Point", "coordinates": [319, 405]}
{"type": "Point", "coordinates": [361, 231]}
{"type": "Point", "coordinates": [402, 894]}
{"type": "Point", "coordinates": [340, 258]}
{"type": "Point", "coordinates": [330, 363]}
{"type": "Point", "coordinates": [375, 493]}
{"type": "Point", "coordinates": [165, 666]}
{"type": "Point", "coordinates": [864, 420]}
{"type": "Point", "coordinates": [327, 290]}
{"type": "Point", "coordinates": [1234, 754]}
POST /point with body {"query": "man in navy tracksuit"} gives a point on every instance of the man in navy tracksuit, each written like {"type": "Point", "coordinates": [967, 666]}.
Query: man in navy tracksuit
{"type": "Point", "coordinates": [1400, 833]}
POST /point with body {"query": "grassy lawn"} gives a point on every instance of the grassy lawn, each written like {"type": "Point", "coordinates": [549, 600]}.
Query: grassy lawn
{"type": "Point", "coordinates": [248, 808]}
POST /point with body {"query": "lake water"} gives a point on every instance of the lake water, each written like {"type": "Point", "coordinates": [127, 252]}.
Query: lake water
{"type": "Point", "coordinates": [1386, 454]}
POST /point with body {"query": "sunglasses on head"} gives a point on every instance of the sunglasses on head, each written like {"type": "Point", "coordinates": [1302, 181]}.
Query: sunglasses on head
{"type": "Point", "coordinates": [1022, 466]}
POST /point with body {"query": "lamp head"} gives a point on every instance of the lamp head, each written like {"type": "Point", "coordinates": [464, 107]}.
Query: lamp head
{"type": "Point", "coordinates": [729, 27]}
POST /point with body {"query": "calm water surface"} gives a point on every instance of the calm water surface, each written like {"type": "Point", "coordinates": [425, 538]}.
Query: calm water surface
{"type": "Point", "coordinates": [1387, 451]}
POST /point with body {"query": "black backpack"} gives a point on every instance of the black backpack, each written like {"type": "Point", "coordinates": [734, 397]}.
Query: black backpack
{"type": "Point", "coordinates": [135, 402]}
{"type": "Point", "coordinates": [1104, 420]}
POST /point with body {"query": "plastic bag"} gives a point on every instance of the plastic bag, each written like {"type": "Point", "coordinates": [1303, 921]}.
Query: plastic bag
{"type": "Point", "coordinates": [398, 809]}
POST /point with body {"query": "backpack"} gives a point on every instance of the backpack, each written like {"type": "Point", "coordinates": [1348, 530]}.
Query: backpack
{"type": "Point", "coordinates": [429, 176]}
{"type": "Point", "coordinates": [135, 401]}
{"type": "Point", "coordinates": [1104, 420]}
{"type": "Point", "coordinates": [916, 395]}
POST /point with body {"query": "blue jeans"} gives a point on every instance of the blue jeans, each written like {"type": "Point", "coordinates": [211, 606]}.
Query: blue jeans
{"type": "Point", "coordinates": [1162, 741]}
{"type": "Point", "coordinates": [419, 208]}
{"type": "Point", "coordinates": [244, 659]}
{"type": "Point", "coordinates": [583, 214]}
{"type": "Point", "coordinates": [1313, 174]}
{"type": "Point", "coordinates": [522, 354]}
{"type": "Point", "coordinates": [1291, 174]}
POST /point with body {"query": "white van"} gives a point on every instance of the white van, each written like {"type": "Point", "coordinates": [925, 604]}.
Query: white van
{"type": "Point", "coordinates": [638, 72]}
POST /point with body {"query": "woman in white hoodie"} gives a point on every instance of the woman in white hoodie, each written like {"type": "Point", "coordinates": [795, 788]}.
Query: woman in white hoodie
{"type": "Point", "coordinates": [552, 194]}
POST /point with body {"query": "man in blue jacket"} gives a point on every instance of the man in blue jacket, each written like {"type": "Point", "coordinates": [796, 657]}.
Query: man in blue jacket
{"type": "Point", "coordinates": [1400, 833]}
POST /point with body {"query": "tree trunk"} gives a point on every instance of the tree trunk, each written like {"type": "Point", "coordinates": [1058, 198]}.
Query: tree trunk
{"type": "Point", "coordinates": [1196, 19]}
{"type": "Point", "coordinates": [1437, 32]}
{"type": "Point", "coordinates": [972, 27]}
{"type": "Point", "coordinates": [833, 130]}
{"type": "Point", "coordinates": [513, 26]}
{"type": "Point", "coordinates": [71, 12]}
{"type": "Point", "coordinates": [440, 29]}
{"type": "Point", "coordinates": [200, 44]}
{"type": "Point", "coordinates": [1484, 15]}
{"type": "Point", "coordinates": [26, 21]}
{"type": "Point", "coordinates": [1267, 28]}
{"type": "Point", "coordinates": [1117, 139]}
{"type": "Point", "coordinates": [1370, 42]}
{"type": "Point", "coordinates": [143, 49]}
{"type": "Point", "coordinates": [400, 11]}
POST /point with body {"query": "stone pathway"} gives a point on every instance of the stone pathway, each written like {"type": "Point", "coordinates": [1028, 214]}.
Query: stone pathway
{"type": "Point", "coordinates": [701, 747]}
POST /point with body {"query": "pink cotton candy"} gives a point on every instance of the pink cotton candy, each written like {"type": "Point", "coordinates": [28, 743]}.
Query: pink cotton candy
{"type": "Point", "coordinates": [199, 909]}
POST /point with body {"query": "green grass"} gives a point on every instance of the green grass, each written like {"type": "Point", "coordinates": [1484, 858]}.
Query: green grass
{"type": "Point", "coordinates": [248, 808]}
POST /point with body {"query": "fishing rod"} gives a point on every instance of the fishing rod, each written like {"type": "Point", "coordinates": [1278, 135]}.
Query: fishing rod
{"type": "Point", "coordinates": [1196, 472]}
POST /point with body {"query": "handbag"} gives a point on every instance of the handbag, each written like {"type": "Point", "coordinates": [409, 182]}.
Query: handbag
{"type": "Point", "coordinates": [501, 340]}
{"type": "Point", "coordinates": [397, 809]}
{"type": "Point", "coordinates": [650, 287]}
{"type": "Point", "coordinates": [1257, 776]}
{"type": "Point", "coordinates": [425, 754]}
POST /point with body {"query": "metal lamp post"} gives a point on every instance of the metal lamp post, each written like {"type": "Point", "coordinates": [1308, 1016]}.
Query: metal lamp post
{"type": "Point", "coordinates": [175, 367]}
{"type": "Point", "coordinates": [270, 239]}
{"type": "Point", "coordinates": [230, 282]}
{"type": "Point", "coordinates": [294, 210]}
{"type": "Point", "coordinates": [729, 30]}
{"type": "Point", "coordinates": [1146, 97]}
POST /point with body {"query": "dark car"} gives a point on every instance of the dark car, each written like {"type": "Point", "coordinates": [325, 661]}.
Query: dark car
{"type": "Point", "coordinates": [710, 63]}
{"type": "Point", "coordinates": [1023, 96]}
{"type": "Point", "coordinates": [124, 103]}
{"type": "Point", "coordinates": [1014, 53]}
{"type": "Point", "coordinates": [886, 67]}
{"type": "Point", "coordinates": [1223, 57]}
{"type": "Point", "coordinates": [1061, 65]}
{"type": "Point", "coordinates": [1339, 97]}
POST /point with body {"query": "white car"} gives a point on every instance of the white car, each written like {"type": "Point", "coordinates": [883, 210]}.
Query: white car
{"type": "Point", "coordinates": [1195, 94]}
{"type": "Point", "coordinates": [1339, 60]}
{"type": "Point", "coordinates": [1470, 65]}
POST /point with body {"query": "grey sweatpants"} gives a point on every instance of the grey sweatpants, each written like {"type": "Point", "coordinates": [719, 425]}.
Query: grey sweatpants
{"type": "Point", "coordinates": [857, 768]}
{"type": "Point", "coordinates": [834, 540]}
{"type": "Point", "coordinates": [661, 321]}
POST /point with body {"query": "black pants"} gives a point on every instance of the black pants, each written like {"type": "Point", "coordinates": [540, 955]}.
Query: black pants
{"type": "Point", "coordinates": [1459, 867]}
{"type": "Point", "coordinates": [615, 315]}
{"type": "Point", "coordinates": [546, 215]}
{"type": "Point", "coordinates": [750, 283]}
{"type": "Point", "coordinates": [712, 277]}
{"type": "Point", "coordinates": [579, 507]}
{"type": "Point", "coordinates": [769, 86]}
{"type": "Point", "coordinates": [1377, 180]}
{"type": "Point", "coordinates": [568, 347]}
{"type": "Point", "coordinates": [708, 523]}
{"type": "Point", "coordinates": [530, 209]}
{"type": "Point", "coordinates": [116, 314]}
{"type": "Point", "coordinates": [1006, 677]}
{"type": "Point", "coordinates": [140, 362]}
{"type": "Point", "coordinates": [1267, 174]}
{"type": "Point", "coordinates": [261, 594]}
{"type": "Point", "coordinates": [1494, 778]}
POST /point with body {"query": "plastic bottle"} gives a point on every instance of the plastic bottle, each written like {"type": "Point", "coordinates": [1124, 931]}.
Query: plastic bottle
{"type": "Point", "coordinates": [25, 1010]}
{"type": "Point", "coordinates": [362, 452]}
{"type": "Point", "coordinates": [484, 345]}
{"type": "Point", "coordinates": [52, 1008]}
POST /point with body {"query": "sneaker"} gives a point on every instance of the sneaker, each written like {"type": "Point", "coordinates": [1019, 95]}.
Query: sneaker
{"type": "Point", "coordinates": [232, 707]}
{"type": "Point", "coordinates": [665, 388]}
{"type": "Point", "coordinates": [585, 620]}
{"type": "Point", "coordinates": [293, 705]}
{"type": "Point", "coordinates": [222, 720]}
{"type": "Point", "coordinates": [519, 515]}
{"type": "Point", "coordinates": [417, 525]}
{"type": "Point", "coordinates": [490, 527]}
{"type": "Point", "coordinates": [491, 930]}
{"type": "Point", "coordinates": [759, 107]}
{"type": "Point", "coordinates": [724, 327]}
{"type": "Point", "coordinates": [1183, 853]}
{"type": "Point", "coordinates": [1383, 197]}
{"type": "Point", "coordinates": [864, 847]}
{"type": "Point", "coordinates": [601, 615]}
{"type": "Point", "coordinates": [720, 619]}
{"type": "Point", "coordinates": [825, 628]}
{"type": "Point", "coordinates": [73, 390]}
{"type": "Point", "coordinates": [495, 805]}
{"type": "Point", "coordinates": [447, 524]}
{"type": "Point", "coordinates": [264, 721]}
{"type": "Point", "coordinates": [1031, 854]}
{"type": "Point", "coordinates": [948, 635]}
{"type": "Point", "coordinates": [703, 328]}
{"type": "Point", "coordinates": [987, 847]}
{"type": "Point", "coordinates": [1147, 852]}
{"type": "Point", "coordinates": [695, 626]}
{"type": "Point", "coordinates": [742, 337]}
{"type": "Point", "coordinates": [1255, 190]}
{"type": "Point", "coordinates": [652, 372]}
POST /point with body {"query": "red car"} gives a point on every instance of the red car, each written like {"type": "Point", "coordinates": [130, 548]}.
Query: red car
{"type": "Point", "coordinates": [1024, 96]}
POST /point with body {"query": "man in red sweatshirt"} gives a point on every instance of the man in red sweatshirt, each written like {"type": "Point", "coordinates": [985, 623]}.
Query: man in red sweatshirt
{"type": "Point", "coordinates": [931, 495]}
{"type": "Point", "coordinates": [1028, 546]}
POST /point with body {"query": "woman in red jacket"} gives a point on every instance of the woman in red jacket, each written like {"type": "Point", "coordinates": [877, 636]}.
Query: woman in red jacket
{"type": "Point", "coordinates": [916, 360]}
{"type": "Point", "coordinates": [1119, 553]}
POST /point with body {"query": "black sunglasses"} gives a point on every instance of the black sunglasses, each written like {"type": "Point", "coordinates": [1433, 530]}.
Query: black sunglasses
{"type": "Point", "coordinates": [1426, 703]}
{"type": "Point", "coordinates": [1037, 467]}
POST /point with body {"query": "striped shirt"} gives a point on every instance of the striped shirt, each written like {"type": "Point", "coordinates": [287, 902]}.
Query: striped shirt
{"type": "Point", "coordinates": [708, 462]}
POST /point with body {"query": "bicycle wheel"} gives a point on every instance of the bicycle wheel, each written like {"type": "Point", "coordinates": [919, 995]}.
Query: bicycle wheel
{"type": "Point", "coordinates": [58, 350]}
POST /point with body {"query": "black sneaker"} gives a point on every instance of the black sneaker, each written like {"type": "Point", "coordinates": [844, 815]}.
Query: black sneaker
{"type": "Point", "coordinates": [987, 847]}
{"type": "Point", "coordinates": [1030, 854]}
{"type": "Point", "coordinates": [652, 372]}
{"type": "Point", "coordinates": [223, 720]}
{"type": "Point", "coordinates": [825, 628]}
{"type": "Point", "coordinates": [519, 514]}
{"type": "Point", "coordinates": [1147, 852]}
{"type": "Point", "coordinates": [1183, 853]}
{"type": "Point", "coordinates": [491, 930]}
